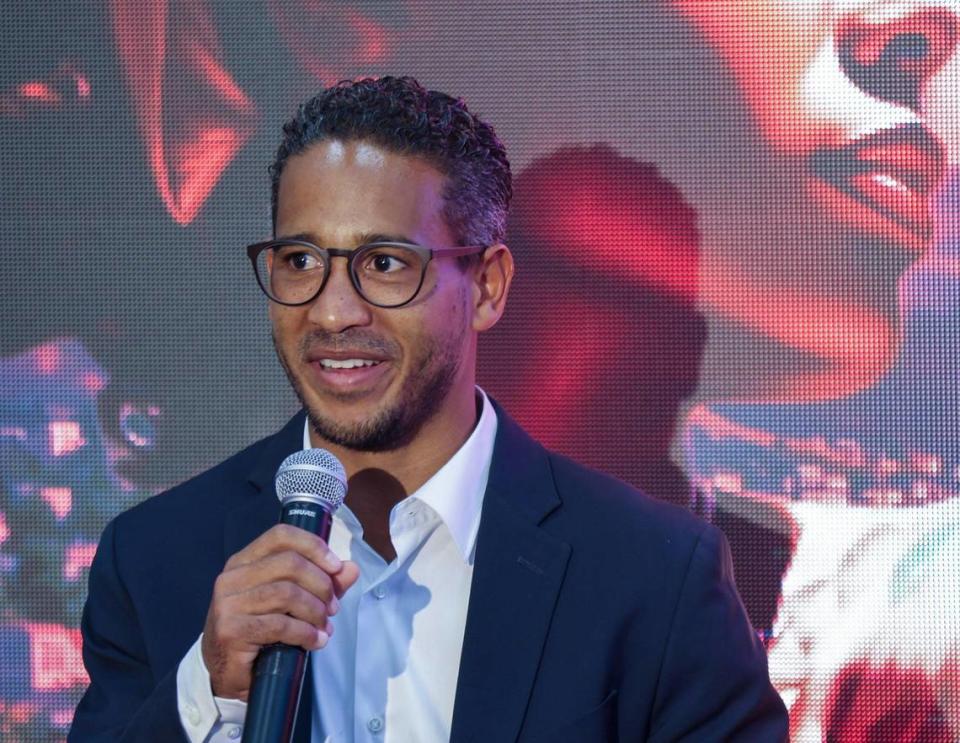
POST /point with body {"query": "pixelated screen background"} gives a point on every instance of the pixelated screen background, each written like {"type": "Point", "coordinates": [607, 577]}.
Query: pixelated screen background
{"type": "Point", "coordinates": [737, 231]}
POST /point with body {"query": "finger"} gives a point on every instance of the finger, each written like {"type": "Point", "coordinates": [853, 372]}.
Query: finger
{"type": "Point", "coordinates": [266, 629]}
{"type": "Point", "coordinates": [345, 577]}
{"type": "Point", "coordinates": [281, 597]}
{"type": "Point", "coordinates": [284, 537]}
{"type": "Point", "coordinates": [283, 566]}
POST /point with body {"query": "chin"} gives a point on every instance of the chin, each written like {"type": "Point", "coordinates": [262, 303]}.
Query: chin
{"type": "Point", "coordinates": [379, 426]}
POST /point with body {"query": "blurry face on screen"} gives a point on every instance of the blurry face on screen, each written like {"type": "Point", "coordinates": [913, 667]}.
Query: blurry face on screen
{"type": "Point", "coordinates": [865, 91]}
{"type": "Point", "coordinates": [343, 195]}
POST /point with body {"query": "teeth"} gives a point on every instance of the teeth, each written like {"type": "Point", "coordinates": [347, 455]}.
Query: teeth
{"type": "Point", "coordinates": [346, 363]}
{"type": "Point", "coordinates": [890, 182]}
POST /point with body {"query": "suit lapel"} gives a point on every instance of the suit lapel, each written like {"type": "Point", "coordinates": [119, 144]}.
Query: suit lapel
{"type": "Point", "coordinates": [518, 572]}
{"type": "Point", "coordinates": [260, 508]}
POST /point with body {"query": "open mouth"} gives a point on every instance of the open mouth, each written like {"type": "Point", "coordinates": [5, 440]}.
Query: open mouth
{"type": "Point", "coordinates": [348, 372]}
{"type": "Point", "coordinates": [892, 172]}
{"type": "Point", "coordinates": [348, 363]}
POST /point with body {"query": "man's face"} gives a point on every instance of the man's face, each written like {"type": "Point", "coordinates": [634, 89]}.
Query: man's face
{"type": "Point", "coordinates": [865, 90]}
{"type": "Point", "coordinates": [338, 194]}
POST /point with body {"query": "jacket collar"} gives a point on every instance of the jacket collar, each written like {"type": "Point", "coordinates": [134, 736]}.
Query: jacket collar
{"type": "Point", "coordinates": [518, 572]}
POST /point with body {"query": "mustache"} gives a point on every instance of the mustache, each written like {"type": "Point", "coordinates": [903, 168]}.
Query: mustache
{"type": "Point", "coordinates": [349, 340]}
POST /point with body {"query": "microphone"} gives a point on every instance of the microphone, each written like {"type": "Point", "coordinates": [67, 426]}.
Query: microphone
{"type": "Point", "coordinates": [311, 484]}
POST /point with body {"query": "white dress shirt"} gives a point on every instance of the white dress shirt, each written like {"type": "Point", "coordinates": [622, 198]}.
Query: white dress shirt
{"type": "Point", "coordinates": [389, 672]}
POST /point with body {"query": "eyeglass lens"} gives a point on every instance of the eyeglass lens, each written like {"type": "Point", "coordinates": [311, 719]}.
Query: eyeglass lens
{"type": "Point", "coordinates": [385, 274]}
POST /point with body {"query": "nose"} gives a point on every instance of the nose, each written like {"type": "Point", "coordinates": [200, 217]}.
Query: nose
{"type": "Point", "coordinates": [339, 306]}
{"type": "Point", "coordinates": [892, 59]}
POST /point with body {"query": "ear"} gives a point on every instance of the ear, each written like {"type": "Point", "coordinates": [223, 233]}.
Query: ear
{"type": "Point", "coordinates": [491, 283]}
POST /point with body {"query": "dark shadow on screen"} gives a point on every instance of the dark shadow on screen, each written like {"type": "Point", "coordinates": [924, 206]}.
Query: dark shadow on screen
{"type": "Point", "coordinates": [601, 340]}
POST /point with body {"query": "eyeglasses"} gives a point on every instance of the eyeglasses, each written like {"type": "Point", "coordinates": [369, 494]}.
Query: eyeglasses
{"type": "Point", "coordinates": [385, 274]}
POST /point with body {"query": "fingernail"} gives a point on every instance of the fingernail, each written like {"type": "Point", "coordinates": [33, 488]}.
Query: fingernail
{"type": "Point", "coordinates": [329, 628]}
{"type": "Point", "coordinates": [334, 606]}
{"type": "Point", "coordinates": [322, 638]}
{"type": "Point", "coordinates": [334, 562]}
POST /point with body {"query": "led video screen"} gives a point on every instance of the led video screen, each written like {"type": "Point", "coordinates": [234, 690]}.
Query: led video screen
{"type": "Point", "coordinates": [737, 235]}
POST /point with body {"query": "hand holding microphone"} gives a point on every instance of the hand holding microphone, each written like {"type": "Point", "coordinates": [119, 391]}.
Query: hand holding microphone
{"type": "Point", "coordinates": [283, 586]}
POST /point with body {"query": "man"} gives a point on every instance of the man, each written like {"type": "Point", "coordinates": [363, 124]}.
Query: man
{"type": "Point", "coordinates": [496, 592]}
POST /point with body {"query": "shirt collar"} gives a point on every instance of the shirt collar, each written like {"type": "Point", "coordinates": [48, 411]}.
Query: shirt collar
{"type": "Point", "coordinates": [455, 491]}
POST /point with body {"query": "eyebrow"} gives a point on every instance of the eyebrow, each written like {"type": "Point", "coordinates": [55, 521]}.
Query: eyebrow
{"type": "Point", "coordinates": [364, 238]}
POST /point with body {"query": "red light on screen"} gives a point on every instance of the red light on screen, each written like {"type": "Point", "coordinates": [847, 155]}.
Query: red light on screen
{"type": "Point", "coordinates": [198, 164]}
{"type": "Point", "coordinates": [62, 90]}
{"type": "Point", "coordinates": [329, 39]}
{"type": "Point", "coordinates": [59, 499]}
{"type": "Point", "coordinates": [42, 92]}
{"type": "Point", "coordinates": [886, 703]}
{"type": "Point", "coordinates": [925, 464]}
{"type": "Point", "coordinates": [48, 358]}
{"type": "Point", "coordinates": [193, 117]}
{"type": "Point", "coordinates": [718, 428]}
{"type": "Point", "coordinates": [372, 37]}
{"type": "Point", "coordinates": [79, 557]}
{"type": "Point", "coordinates": [93, 382]}
{"type": "Point", "coordinates": [83, 86]}
{"type": "Point", "coordinates": [626, 238]}
{"type": "Point", "coordinates": [64, 437]}
{"type": "Point", "coordinates": [852, 337]}
{"type": "Point", "coordinates": [56, 661]}
{"type": "Point", "coordinates": [22, 712]}
{"type": "Point", "coordinates": [218, 77]}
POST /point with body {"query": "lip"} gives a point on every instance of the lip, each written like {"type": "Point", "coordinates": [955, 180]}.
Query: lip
{"type": "Point", "coordinates": [357, 380]}
{"type": "Point", "coordinates": [893, 172]}
{"type": "Point", "coordinates": [316, 354]}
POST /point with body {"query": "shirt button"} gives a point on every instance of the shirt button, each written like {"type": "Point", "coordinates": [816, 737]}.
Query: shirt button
{"type": "Point", "coordinates": [379, 592]}
{"type": "Point", "coordinates": [193, 714]}
{"type": "Point", "coordinates": [234, 732]}
{"type": "Point", "coordinates": [375, 724]}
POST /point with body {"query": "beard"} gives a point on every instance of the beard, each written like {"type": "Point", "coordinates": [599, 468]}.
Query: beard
{"type": "Point", "coordinates": [434, 368]}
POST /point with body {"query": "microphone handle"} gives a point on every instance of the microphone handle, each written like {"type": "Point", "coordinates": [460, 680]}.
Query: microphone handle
{"type": "Point", "coordinates": [278, 670]}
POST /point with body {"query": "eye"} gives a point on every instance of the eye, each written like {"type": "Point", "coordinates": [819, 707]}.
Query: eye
{"type": "Point", "coordinates": [297, 259]}
{"type": "Point", "coordinates": [384, 262]}
{"type": "Point", "coordinates": [303, 261]}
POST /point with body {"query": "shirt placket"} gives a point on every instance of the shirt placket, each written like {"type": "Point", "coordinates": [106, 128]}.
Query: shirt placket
{"type": "Point", "coordinates": [378, 613]}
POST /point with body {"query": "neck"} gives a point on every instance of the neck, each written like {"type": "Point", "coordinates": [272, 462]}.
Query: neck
{"type": "Point", "coordinates": [387, 477]}
{"type": "Point", "coordinates": [377, 480]}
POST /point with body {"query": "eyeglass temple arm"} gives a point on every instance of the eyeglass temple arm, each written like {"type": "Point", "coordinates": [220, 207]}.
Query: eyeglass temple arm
{"type": "Point", "coordinates": [453, 252]}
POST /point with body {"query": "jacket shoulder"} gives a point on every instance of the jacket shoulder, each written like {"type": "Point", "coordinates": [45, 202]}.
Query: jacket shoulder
{"type": "Point", "coordinates": [605, 510]}
{"type": "Point", "coordinates": [581, 487]}
{"type": "Point", "coordinates": [182, 511]}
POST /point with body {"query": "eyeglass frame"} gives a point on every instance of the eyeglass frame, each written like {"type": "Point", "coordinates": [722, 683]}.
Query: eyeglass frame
{"type": "Point", "coordinates": [328, 254]}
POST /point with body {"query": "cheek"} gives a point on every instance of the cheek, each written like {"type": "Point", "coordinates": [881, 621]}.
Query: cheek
{"type": "Point", "coordinates": [445, 322]}
{"type": "Point", "coordinates": [284, 323]}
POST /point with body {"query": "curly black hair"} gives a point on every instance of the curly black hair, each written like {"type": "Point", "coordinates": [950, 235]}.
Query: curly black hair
{"type": "Point", "coordinates": [399, 114]}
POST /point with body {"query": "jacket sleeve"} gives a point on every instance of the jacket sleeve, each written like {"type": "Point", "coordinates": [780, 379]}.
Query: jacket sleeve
{"type": "Point", "coordinates": [713, 683]}
{"type": "Point", "coordinates": [125, 700]}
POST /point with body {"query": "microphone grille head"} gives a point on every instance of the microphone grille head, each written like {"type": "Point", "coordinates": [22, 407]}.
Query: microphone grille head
{"type": "Point", "coordinates": [313, 474]}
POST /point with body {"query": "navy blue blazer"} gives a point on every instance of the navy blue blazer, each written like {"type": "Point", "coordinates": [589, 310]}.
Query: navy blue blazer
{"type": "Point", "coordinates": [596, 613]}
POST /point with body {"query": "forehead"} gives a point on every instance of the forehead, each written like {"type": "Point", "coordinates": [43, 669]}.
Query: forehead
{"type": "Point", "coordinates": [339, 190]}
